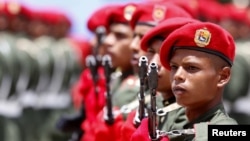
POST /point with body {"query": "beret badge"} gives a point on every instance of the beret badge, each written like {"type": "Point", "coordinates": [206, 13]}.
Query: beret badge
{"type": "Point", "coordinates": [202, 37]}
{"type": "Point", "coordinates": [159, 13]}
{"type": "Point", "coordinates": [128, 12]}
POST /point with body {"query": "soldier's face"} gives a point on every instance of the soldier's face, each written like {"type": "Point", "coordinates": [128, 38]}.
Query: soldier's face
{"type": "Point", "coordinates": [117, 43]}
{"type": "Point", "coordinates": [194, 78]}
{"type": "Point", "coordinates": [164, 85]}
{"type": "Point", "coordinates": [139, 32]}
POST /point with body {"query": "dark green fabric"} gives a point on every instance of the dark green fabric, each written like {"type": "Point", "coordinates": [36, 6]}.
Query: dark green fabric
{"type": "Point", "coordinates": [216, 115]}
{"type": "Point", "coordinates": [30, 49]}
{"type": "Point", "coordinates": [126, 92]}
{"type": "Point", "coordinates": [240, 79]}
{"type": "Point", "coordinates": [174, 120]}
{"type": "Point", "coordinates": [26, 69]}
{"type": "Point", "coordinates": [9, 52]}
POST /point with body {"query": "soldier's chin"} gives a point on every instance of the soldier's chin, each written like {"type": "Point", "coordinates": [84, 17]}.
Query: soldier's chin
{"type": "Point", "coordinates": [160, 89]}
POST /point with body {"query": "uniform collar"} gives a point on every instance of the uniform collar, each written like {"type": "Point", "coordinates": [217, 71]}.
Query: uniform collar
{"type": "Point", "coordinates": [168, 101]}
{"type": "Point", "coordinates": [206, 117]}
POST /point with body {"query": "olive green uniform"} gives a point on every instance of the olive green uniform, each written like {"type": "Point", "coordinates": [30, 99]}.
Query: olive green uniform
{"type": "Point", "coordinates": [174, 119]}
{"type": "Point", "coordinates": [216, 115]}
{"type": "Point", "coordinates": [126, 92]}
{"type": "Point", "coordinates": [237, 90]}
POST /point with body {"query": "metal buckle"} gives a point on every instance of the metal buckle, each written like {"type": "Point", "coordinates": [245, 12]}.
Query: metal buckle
{"type": "Point", "coordinates": [125, 109]}
{"type": "Point", "coordinates": [175, 132]}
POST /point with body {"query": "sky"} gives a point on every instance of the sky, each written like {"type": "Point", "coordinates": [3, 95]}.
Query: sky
{"type": "Point", "coordinates": [77, 10]}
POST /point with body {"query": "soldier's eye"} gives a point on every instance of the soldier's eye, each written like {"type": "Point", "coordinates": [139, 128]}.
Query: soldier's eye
{"type": "Point", "coordinates": [192, 68]}
{"type": "Point", "coordinates": [120, 36]}
{"type": "Point", "coordinates": [134, 35]}
{"type": "Point", "coordinates": [151, 51]}
{"type": "Point", "coordinates": [173, 67]}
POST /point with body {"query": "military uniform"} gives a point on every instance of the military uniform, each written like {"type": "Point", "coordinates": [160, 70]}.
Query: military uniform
{"type": "Point", "coordinates": [127, 91]}
{"type": "Point", "coordinates": [216, 115]}
{"type": "Point", "coordinates": [123, 88]}
{"type": "Point", "coordinates": [237, 91]}
{"type": "Point", "coordinates": [174, 119]}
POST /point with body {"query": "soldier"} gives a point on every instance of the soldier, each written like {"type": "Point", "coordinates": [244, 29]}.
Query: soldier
{"type": "Point", "coordinates": [237, 90]}
{"type": "Point", "coordinates": [88, 92]}
{"type": "Point", "coordinates": [116, 44]}
{"type": "Point", "coordinates": [97, 25]}
{"type": "Point", "coordinates": [170, 119]}
{"type": "Point", "coordinates": [18, 16]}
{"type": "Point", "coordinates": [193, 54]}
{"type": "Point", "coordinates": [236, 22]}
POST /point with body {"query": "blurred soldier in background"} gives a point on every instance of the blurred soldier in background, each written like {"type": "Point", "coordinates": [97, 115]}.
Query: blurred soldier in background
{"type": "Point", "coordinates": [17, 17]}
{"type": "Point", "coordinates": [31, 65]}
{"type": "Point", "coordinates": [42, 67]}
{"type": "Point", "coordinates": [88, 91]}
{"type": "Point", "coordinates": [236, 21]}
{"type": "Point", "coordinates": [116, 44]}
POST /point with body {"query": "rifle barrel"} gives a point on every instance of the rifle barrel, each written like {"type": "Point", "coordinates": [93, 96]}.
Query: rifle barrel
{"type": "Point", "coordinates": [106, 61]}
{"type": "Point", "coordinates": [152, 83]}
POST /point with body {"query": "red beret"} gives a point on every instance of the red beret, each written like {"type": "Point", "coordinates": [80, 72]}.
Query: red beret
{"type": "Point", "coordinates": [164, 29]}
{"type": "Point", "coordinates": [42, 15]}
{"type": "Point", "coordinates": [3, 9]}
{"type": "Point", "coordinates": [121, 14]}
{"type": "Point", "coordinates": [241, 15]}
{"type": "Point", "coordinates": [99, 17]}
{"type": "Point", "coordinates": [215, 14]}
{"type": "Point", "coordinates": [154, 13]}
{"type": "Point", "coordinates": [201, 36]}
{"type": "Point", "coordinates": [191, 6]}
{"type": "Point", "coordinates": [14, 9]}
{"type": "Point", "coordinates": [60, 17]}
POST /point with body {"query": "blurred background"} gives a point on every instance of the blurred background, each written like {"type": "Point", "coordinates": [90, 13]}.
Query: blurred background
{"type": "Point", "coordinates": [43, 46]}
{"type": "Point", "coordinates": [77, 10]}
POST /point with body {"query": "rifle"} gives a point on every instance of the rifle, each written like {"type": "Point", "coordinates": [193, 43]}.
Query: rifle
{"type": "Point", "coordinates": [92, 64]}
{"type": "Point", "coordinates": [100, 35]}
{"type": "Point", "coordinates": [152, 83]}
{"type": "Point", "coordinates": [143, 66]}
{"type": "Point", "coordinates": [106, 62]}
{"type": "Point", "coordinates": [93, 61]}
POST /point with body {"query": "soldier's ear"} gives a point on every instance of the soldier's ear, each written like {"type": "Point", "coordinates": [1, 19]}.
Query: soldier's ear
{"type": "Point", "coordinates": [224, 76]}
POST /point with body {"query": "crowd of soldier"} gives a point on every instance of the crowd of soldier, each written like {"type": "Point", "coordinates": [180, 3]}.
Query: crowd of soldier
{"type": "Point", "coordinates": [43, 71]}
{"type": "Point", "coordinates": [39, 63]}
{"type": "Point", "coordinates": [125, 102]}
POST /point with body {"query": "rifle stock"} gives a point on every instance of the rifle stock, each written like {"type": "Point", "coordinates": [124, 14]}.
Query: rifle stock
{"type": "Point", "coordinates": [152, 83]}
{"type": "Point", "coordinates": [106, 61]}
